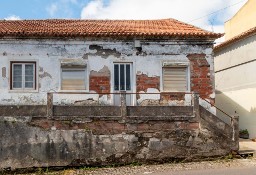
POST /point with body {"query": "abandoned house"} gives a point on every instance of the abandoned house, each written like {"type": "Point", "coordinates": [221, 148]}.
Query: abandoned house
{"type": "Point", "coordinates": [105, 57]}
{"type": "Point", "coordinates": [78, 92]}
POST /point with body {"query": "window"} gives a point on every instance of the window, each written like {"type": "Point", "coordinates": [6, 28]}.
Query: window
{"type": "Point", "coordinates": [122, 76]}
{"type": "Point", "coordinates": [23, 75]}
{"type": "Point", "coordinates": [73, 79]}
{"type": "Point", "coordinates": [175, 79]}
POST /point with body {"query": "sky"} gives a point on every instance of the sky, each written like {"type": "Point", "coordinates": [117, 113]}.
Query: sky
{"type": "Point", "coordinates": [207, 14]}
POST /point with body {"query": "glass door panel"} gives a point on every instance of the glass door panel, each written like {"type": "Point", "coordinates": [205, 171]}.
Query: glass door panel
{"type": "Point", "coordinates": [122, 81]}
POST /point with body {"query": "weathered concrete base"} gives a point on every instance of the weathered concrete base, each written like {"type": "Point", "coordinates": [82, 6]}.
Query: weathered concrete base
{"type": "Point", "coordinates": [41, 142]}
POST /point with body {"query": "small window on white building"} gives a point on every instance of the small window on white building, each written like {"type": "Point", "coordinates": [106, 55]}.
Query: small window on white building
{"type": "Point", "coordinates": [175, 79]}
{"type": "Point", "coordinates": [23, 76]}
{"type": "Point", "coordinates": [73, 74]}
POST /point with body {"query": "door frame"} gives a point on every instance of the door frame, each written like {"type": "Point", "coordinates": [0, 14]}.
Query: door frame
{"type": "Point", "coordinates": [133, 80]}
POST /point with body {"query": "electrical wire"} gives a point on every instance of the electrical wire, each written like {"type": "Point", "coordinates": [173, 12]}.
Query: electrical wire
{"type": "Point", "coordinates": [216, 11]}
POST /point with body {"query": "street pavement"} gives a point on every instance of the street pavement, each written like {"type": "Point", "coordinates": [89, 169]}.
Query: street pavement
{"type": "Point", "coordinates": [221, 171]}
{"type": "Point", "coordinates": [218, 167]}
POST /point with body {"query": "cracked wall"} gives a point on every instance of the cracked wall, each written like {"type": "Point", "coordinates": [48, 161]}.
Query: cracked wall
{"type": "Point", "coordinates": [42, 142]}
{"type": "Point", "coordinates": [99, 57]}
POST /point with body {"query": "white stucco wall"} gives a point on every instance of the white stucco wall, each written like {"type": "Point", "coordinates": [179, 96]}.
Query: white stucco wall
{"type": "Point", "coordinates": [236, 87]}
{"type": "Point", "coordinates": [49, 53]}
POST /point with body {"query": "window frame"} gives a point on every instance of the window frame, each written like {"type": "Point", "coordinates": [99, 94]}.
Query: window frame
{"type": "Point", "coordinates": [125, 78]}
{"type": "Point", "coordinates": [176, 65]}
{"type": "Point", "coordinates": [86, 78]}
{"type": "Point", "coordinates": [23, 89]}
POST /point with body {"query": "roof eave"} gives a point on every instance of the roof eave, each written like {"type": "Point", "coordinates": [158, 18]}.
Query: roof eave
{"type": "Point", "coordinates": [235, 39]}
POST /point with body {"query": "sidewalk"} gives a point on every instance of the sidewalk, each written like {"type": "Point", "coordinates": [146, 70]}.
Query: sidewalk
{"type": "Point", "coordinates": [247, 146]}
{"type": "Point", "coordinates": [241, 166]}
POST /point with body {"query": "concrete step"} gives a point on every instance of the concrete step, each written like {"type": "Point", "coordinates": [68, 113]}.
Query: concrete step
{"type": "Point", "coordinates": [247, 153]}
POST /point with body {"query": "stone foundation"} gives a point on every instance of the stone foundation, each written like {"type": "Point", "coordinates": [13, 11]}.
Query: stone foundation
{"type": "Point", "coordinates": [140, 136]}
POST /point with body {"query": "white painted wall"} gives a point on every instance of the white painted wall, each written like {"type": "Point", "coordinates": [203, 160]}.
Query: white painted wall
{"type": "Point", "coordinates": [236, 87]}
{"type": "Point", "coordinates": [49, 53]}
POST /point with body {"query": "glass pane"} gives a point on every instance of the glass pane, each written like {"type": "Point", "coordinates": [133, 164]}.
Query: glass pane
{"type": "Point", "coordinates": [116, 76]}
{"type": "Point", "coordinates": [29, 69]}
{"type": "Point", "coordinates": [28, 84]}
{"type": "Point", "coordinates": [128, 77]}
{"type": "Point", "coordinates": [122, 86]}
{"type": "Point", "coordinates": [73, 79]}
{"type": "Point", "coordinates": [29, 75]}
{"type": "Point", "coordinates": [17, 69]}
{"type": "Point", "coordinates": [17, 84]}
{"type": "Point", "coordinates": [17, 78]}
{"type": "Point", "coordinates": [29, 78]}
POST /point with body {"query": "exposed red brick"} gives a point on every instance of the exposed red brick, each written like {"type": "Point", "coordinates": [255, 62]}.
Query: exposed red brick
{"type": "Point", "coordinates": [100, 84]}
{"type": "Point", "coordinates": [201, 81]}
{"type": "Point", "coordinates": [193, 126]}
{"type": "Point", "coordinates": [162, 126]}
{"type": "Point", "coordinates": [172, 96]}
{"type": "Point", "coordinates": [144, 82]}
{"type": "Point", "coordinates": [143, 127]}
{"type": "Point", "coordinates": [114, 127]}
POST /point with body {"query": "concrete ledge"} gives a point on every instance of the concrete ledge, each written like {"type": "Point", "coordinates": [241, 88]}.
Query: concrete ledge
{"type": "Point", "coordinates": [23, 110]}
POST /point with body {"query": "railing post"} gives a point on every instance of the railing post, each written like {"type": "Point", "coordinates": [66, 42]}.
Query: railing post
{"type": "Point", "coordinates": [123, 104]}
{"type": "Point", "coordinates": [49, 105]}
{"type": "Point", "coordinates": [235, 132]}
{"type": "Point", "coordinates": [196, 109]}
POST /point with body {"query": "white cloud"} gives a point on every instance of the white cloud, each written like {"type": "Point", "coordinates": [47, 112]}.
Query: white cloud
{"type": "Point", "coordinates": [93, 9]}
{"type": "Point", "coordinates": [183, 10]}
{"type": "Point", "coordinates": [52, 9]}
{"type": "Point", "coordinates": [12, 17]}
{"type": "Point", "coordinates": [61, 8]}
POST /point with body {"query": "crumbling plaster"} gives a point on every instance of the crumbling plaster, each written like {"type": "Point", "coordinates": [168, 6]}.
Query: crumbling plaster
{"type": "Point", "coordinates": [99, 55]}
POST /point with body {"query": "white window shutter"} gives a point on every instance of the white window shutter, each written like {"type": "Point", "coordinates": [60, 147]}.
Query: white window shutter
{"type": "Point", "coordinates": [175, 79]}
{"type": "Point", "coordinates": [73, 79]}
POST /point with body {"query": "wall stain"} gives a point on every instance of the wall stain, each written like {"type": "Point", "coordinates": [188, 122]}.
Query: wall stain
{"type": "Point", "coordinates": [45, 74]}
{"type": "Point", "coordinates": [4, 72]}
{"type": "Point", "coordinates": [41, 69]}
{"type": "Point", "coordinates": [27, 100]}
{"type": "Point", "coordinates": [103, 72]}
{"type": "Point", "coordinates": [8, 100]}
{"type": "Point", "coordinates": [100, 51]}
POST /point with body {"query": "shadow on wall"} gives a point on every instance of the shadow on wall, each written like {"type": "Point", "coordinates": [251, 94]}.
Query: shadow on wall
{"type": "Point", "coordinates": [247, 119]}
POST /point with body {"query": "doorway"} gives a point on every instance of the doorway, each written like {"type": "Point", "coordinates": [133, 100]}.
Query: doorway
{"type": "Point", "coordinates": [123, 82]}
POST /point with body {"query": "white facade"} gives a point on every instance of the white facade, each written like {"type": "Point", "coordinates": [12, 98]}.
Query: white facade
{"type": "Point", "coordinates": [235, 80]}
{"type": "Point", "coordinates": [49, 54]}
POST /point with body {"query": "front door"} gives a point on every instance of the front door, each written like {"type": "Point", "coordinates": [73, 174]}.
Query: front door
{"type": "Point", "coordinates": [123, 82]}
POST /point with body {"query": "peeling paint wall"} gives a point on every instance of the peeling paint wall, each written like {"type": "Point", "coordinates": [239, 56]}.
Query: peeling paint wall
{"type": "Point", "coordinates": [99, 57]}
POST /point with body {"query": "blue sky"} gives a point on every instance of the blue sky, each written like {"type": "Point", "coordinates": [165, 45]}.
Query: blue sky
{"type": "Point", "coordinates": [184, 10]}
{"type": "Point", "coordinates": [40, 9]}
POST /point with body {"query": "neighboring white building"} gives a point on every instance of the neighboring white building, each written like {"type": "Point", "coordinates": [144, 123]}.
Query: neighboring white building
{"type": "Point", "coordinates": [235, 68]}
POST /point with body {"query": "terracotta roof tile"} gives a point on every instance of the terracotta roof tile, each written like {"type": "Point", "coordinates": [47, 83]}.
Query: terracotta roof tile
{"type": "Point", "coordinates": [102, 28]}
{"type": "Point", "coordinates": [237, 38]}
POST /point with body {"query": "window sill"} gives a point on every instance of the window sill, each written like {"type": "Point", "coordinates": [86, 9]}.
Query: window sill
{"type": "Point", "coordinates": [188, 92]}
{"type": "Point", "coordinates": [23, 91]}
{"type": "Point", "coordinates": [73, 91]}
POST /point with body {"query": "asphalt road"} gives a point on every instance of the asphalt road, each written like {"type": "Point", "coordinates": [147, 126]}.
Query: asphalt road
{"type": "Point", "coordinates": [220, 171]}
